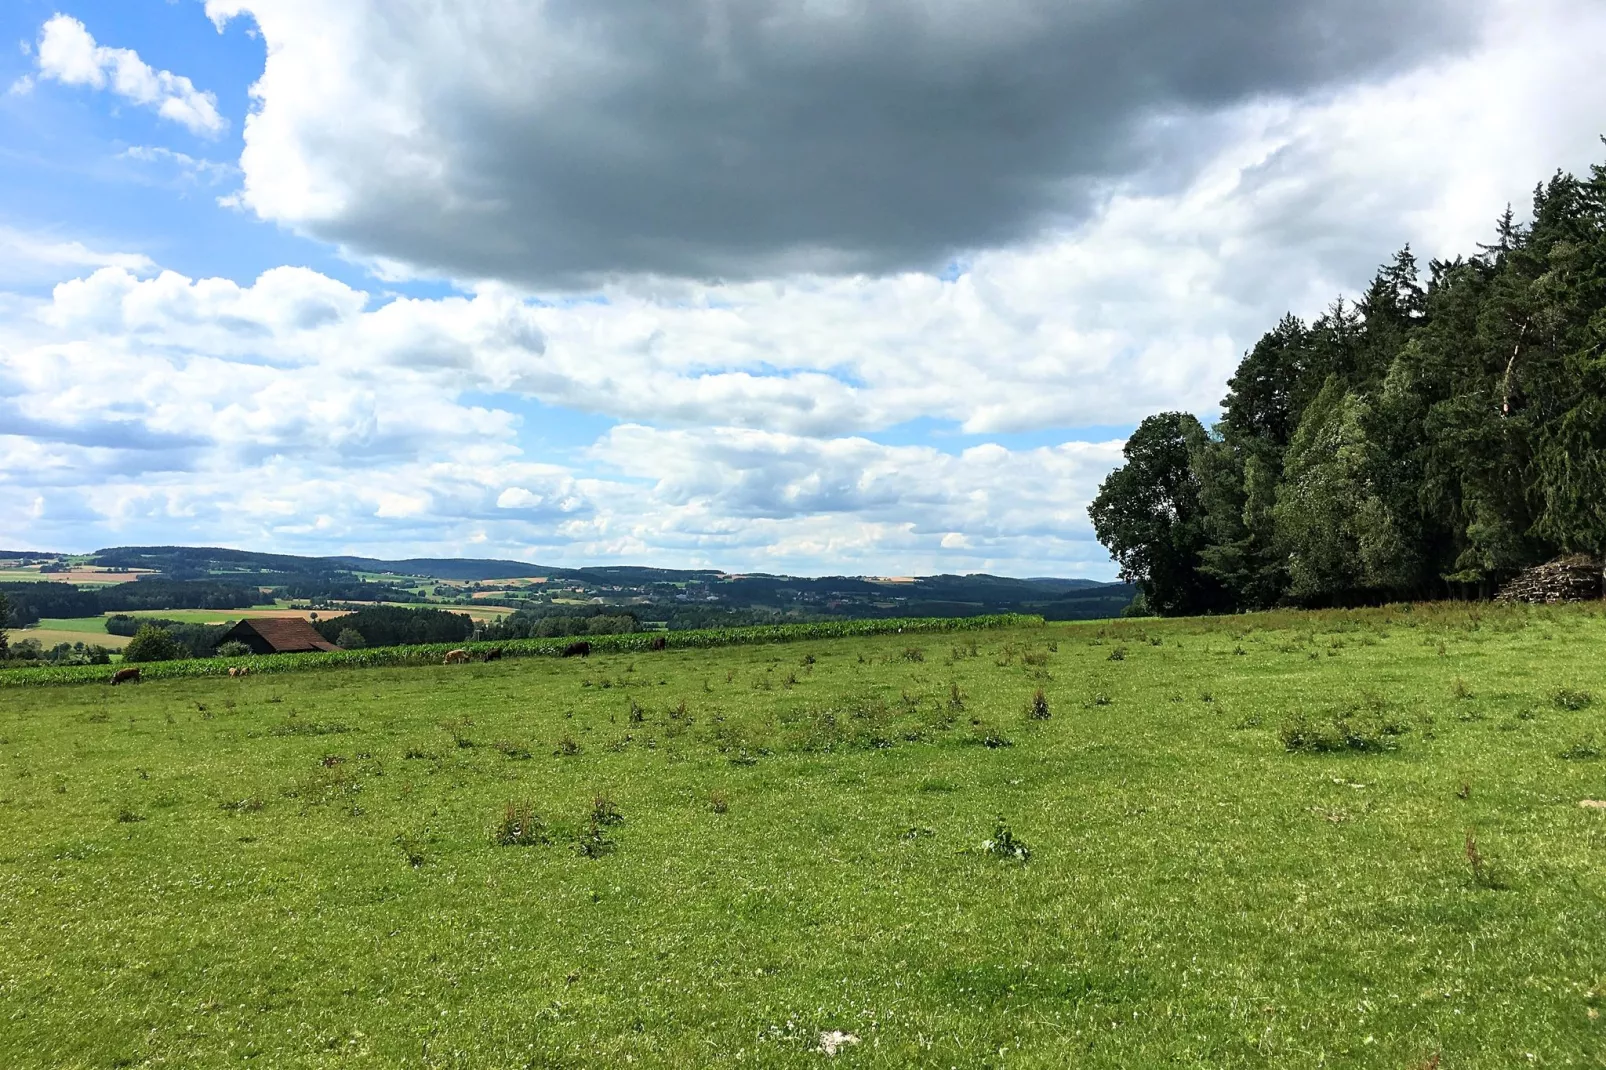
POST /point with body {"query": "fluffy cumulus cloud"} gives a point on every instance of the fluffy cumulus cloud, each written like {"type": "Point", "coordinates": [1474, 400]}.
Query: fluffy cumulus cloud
{"type": "Point", "coordinates": [1124, 248]}
{"type": "Point", "coordinates": [561, 141]}
{"type": "Point", "coordinates": [67, 53]}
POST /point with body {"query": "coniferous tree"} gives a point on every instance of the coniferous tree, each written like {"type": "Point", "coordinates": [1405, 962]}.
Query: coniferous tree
{"type": "Point", "coordinates": [1432, 437]}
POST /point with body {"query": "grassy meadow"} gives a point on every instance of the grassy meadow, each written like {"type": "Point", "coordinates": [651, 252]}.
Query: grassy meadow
{"type": "Point", "coordinates": [1285, 840]}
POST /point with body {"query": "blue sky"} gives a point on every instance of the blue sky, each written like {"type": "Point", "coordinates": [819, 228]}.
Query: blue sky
{"type": "Point", "coordinates": [453, 290]}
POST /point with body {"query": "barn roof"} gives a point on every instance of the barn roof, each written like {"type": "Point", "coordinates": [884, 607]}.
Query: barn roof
{"type": "Point", "coordinates": [286, 635]}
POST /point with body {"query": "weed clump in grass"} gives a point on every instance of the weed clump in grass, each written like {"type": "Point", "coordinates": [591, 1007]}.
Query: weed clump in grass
{"type": "Point", "coordinates": [956, 698]}
{"type": "Point", "coordinates": [1567, 698]}
{"type": "Point", "coordinates": [593, 842]}
{"type": "Point", "coordinates": [914, 653]}
{"type": "Point", "coordinates": [508, 748]}
{"type": "Point", "coordinates": [1118, 654]}
{"type": "Point", "coordinates": [567, 747]}
{"type": "Point", "coordinates": [1038, 710]}
{"type": "Point", "coordinates": [719, 802]}
{"type": "Point", "coordinates": [520, 826]}
{"type": "Point", "coordinates": [1347, 730]}
{"type": "Point", "coordinates": [605, 812]}
{"type": "Point", "coordinates": [991, 738]}
{"type": "Point", "coordinates": [412, 848]}
{"type": "Point", "coordinates": [125, 816]}
{"type": "Point", "coordinates": [1005, 845]}
{"type": "Point", "coordinates": [1459, 689]}
{"type": "Point", "coordinates": [1482, 874]}
{"type": "Point", "coordinates": [1584, 749]}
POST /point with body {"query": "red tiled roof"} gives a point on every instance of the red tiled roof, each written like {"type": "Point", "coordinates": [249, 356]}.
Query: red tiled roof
{"type": "Point", "coordinates": [287, 635]}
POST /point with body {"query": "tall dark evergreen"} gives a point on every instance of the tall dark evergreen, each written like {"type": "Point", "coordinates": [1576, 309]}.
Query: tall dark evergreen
{"type": "Point", "coordinates": [1428, 439]}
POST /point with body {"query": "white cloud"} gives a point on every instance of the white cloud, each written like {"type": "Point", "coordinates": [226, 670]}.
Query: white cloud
{"type": "Point", "coordinates": [27, 258]}
{"type": "Point", "coordinates": [186, 167]}
{"type": "Point", "coordinates": [67, 53]}
{"type": "Point", "coordinates": [297, 411]}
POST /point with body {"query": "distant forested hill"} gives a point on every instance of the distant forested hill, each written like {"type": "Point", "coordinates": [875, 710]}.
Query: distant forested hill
{"type": "Point", "coordinates": [657, 596]}
{"type": "Point", "coordinates": [1430, 439]}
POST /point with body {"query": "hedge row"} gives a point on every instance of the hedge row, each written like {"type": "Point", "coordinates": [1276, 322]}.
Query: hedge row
{"type": "Point", "coordinates": [433, 653]}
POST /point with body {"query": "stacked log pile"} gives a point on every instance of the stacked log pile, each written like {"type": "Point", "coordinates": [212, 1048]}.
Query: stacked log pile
{"type": "Point", "coordinates": [1566, 579]}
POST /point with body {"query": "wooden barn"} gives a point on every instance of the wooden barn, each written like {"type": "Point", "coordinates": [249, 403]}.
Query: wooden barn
{"type": "Point", "coordinates": [277, 635]}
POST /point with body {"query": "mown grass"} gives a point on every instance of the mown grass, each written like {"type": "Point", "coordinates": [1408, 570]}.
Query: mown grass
{"type": "Point", "coordinates": [717, 857]}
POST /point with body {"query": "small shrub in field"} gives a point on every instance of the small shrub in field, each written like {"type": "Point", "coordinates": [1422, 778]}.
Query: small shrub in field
{"type": "Point", "coordinates": [1459, 688]}
{"type": "Point", "coordinates": [1035, 657]}
{"type": "Point", "coordinates": [605, 812]}
{"type": "Point", "coordinates": [1568, 699]}
{"type": "Point", "coordinates": [1006, 845]}
{"type": "Point", "coordinates": [1118, 654]}
{"type": "Point", "coordinates": [719, 802]}
{"type": "Point", "coordinates": [914, 653]}
{"type": "Point", "coordinates": [1039, 707]}
{"type": "Point", "coordinates": [1099, 699]}
{"type": "Point", "coordinates": [128, 817]}
{"type": "Point", "coordinates": [567, 747]}
{"type": "Point", "coordinates": [233, 649]}
{"type": "Point", "coordinates": [637, 714]}
{"type": "Point", "coordinates": [417, 752]}
{"type": "Point", "coordinates": [520, 826]}
{"type": "Point", "coordinates": [956, 698]}
{"type": "Point", "coordinates": [1581, 750]}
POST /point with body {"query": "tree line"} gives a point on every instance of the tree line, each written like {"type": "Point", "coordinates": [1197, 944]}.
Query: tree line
{"type": "Point", "coordinates": [1428, 440]}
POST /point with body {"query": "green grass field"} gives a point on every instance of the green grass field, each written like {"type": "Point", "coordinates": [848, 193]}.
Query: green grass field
{"type": "Point", "coordinates": [302, 869]}
{"type": "Point", "coordinates": [88, 630]}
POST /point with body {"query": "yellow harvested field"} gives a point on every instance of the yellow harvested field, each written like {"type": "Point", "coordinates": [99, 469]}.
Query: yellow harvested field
{"type": "Point", "coordinates": [82, 574]}
{"type": "Point", "coordinates": [49, 637]}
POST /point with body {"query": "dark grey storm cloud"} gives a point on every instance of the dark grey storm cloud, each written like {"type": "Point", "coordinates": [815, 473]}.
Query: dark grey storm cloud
{"type": "Point", "coordinates": [577, 139]}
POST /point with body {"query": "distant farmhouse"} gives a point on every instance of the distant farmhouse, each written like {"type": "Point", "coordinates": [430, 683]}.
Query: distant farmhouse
{"type": "Point", "coordinates": [277, 635]}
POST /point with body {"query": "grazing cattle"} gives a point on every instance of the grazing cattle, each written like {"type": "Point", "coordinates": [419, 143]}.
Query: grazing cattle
{"type": "Point", "coordinates": [493, 654]}
{"type": "Point", "coordinates": [239, 670]}
{"type": "Point", "coordinates": [455, 656]}
{"type": "Point", "coordinates": [124, 676]}
{"type": "Point", "coordinates": [581, 649]}
{"type": "Point", "coordinates": [659, 642]}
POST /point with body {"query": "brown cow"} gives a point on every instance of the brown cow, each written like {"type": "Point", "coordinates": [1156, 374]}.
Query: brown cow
{"type": "Point", "coordinates": [659, 642]}
{"type": "Point", "coordinates": [455, 656]}
{"type": "Point", "coordinates": [581, 649]}
{"type": "Point", "coordinates": [239, 670]}
{"type": "Point", "coordinates": [124, 676]}
{"type": "Point", "coordinates": [493, 654]}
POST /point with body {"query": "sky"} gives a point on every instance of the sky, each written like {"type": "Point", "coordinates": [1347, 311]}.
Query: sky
{"type": "Point", "coordinates": [806, 286]}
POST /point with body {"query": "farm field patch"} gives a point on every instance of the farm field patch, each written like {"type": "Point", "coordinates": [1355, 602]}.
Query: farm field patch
{"type": "Point", "coordinates": [750, 855]}
{"type": "Point", "coordinates": [49, 633]}
{"type": "Point", "coordinates": [82, 575]}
